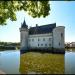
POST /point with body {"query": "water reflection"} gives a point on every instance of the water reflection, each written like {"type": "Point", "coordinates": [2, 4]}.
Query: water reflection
{"type": "Point", "coordinates": [70, 62]}
{"type": "Point", "coordinates": [37, 63]}
{"type": "Point", "coordinates": [9, 62]}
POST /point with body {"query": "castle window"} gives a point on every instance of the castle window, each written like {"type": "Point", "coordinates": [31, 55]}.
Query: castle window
{"type": "Point", "coordinates": [38, 44]}
{"type": "Point", "coordinates": [43, 39]}
{"type": "Point", "coordinates": [41, 44]}
{"type": "Point", "coordinates": [32, 39]}
{"type": "Point", "coordinates": [45, 44]}
{"type": "Point", "coordinates": [61, 34]}
{"type": "Point", "coordinates": [49, 44]}
{"type": "Point", "coordinates": [38, 39]}
{"type": "Point", "coordinates": [59, 43]}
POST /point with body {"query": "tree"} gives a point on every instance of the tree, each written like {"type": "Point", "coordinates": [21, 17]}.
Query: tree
{"type": "Point", "coordinates": [33, 8]}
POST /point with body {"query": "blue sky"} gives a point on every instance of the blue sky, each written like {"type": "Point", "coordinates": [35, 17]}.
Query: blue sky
{"type": "Point", "coordinates": [62, 13]}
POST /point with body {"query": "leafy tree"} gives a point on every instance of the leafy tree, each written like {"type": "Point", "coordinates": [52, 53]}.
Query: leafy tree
{"type": "Point", "coordinates": [34, 8]}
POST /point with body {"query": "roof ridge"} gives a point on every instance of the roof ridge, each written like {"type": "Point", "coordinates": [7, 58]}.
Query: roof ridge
{"type": "Point", "coordinates": [48, 24]}
{"type": "Point", "coordinates": [44, 25]}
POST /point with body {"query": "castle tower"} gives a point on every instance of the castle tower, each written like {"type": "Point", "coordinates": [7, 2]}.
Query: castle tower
{"type": "Point", "coordinates": [24, 36]}
{"type": "Point", "coordinates": [58, 37]}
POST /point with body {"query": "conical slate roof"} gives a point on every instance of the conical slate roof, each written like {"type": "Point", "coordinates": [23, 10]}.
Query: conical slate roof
{"type": "Point", "coordinates": [24, 25]}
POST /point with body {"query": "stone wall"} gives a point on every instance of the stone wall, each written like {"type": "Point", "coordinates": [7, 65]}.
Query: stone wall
{"type": "Point", "coordinates": [58, 37]}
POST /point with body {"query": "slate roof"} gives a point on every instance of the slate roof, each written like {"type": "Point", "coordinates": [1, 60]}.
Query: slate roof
{"type": "Point", "coordinates": [24, 25]}
{"type": "Point", "coordinates": [42, 29]}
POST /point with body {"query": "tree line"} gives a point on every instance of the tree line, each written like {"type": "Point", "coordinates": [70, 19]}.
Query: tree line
{"type": "Point", "coordinates": [9, 45]}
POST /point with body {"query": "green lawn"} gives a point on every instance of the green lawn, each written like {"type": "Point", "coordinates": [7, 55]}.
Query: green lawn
{"type": "Point", "coordinates": [45, 63]}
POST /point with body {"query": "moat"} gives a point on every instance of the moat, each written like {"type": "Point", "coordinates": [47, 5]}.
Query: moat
{"type": "Point", "coordinates": [12, 62]}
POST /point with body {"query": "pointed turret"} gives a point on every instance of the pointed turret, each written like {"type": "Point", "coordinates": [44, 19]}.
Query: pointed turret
{"type": "Point", "coordinates": [24, 25]}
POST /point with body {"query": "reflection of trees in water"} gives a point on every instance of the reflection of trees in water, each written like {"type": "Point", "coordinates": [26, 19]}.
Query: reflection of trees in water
{"type": "Point", "coordinates": [42, 63]}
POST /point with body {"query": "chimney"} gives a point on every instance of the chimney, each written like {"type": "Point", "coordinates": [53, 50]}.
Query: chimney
{"type": "Point", "coordinates": [36, 25]}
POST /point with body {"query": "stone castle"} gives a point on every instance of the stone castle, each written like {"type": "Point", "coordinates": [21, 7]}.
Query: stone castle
{"type": "Point", "coordinates": [45, 36]}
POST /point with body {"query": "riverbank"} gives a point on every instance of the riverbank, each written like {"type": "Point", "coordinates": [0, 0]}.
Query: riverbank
{"type": "Point", "coordinates": [7, 47]}
{"type": "Point", "coordinates": [69, 49]}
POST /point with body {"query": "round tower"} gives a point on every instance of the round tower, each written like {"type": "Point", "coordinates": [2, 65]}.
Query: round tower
{"type": "Point", "coordinates": [59, 37]}
{"type": "Point", "coordinates": [24, 36]}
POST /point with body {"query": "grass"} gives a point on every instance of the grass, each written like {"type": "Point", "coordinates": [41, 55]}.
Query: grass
{"type": "Point", "coordinates": [46, 63]}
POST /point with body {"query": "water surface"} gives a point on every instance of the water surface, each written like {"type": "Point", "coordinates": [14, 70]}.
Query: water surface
{"type": "Point", "coordinates": [10, 62]}
{"type": "Point", "coordinates": [70, 62]}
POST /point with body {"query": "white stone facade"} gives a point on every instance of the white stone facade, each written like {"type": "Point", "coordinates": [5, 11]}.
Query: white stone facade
{"type": "Point", "coordinates": [58, 37]}
{"type": "Point", "coordinates": [40, 41]}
